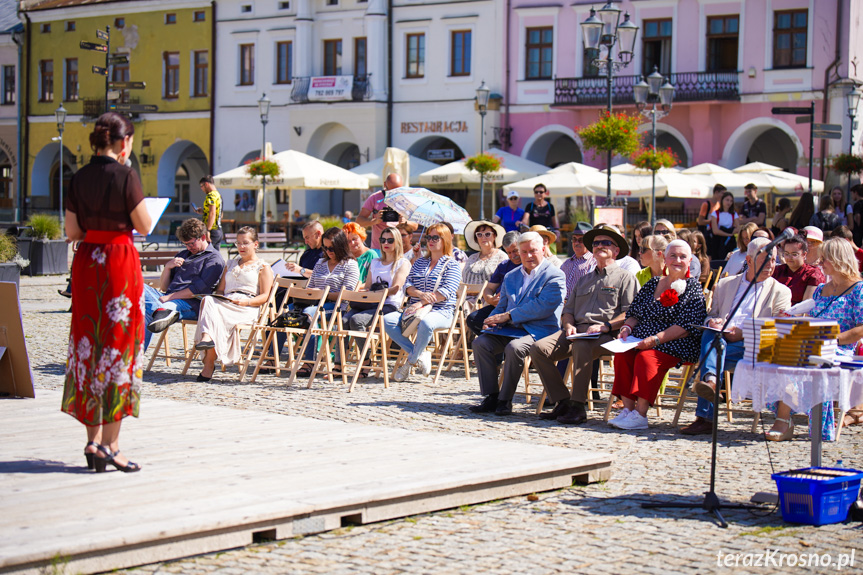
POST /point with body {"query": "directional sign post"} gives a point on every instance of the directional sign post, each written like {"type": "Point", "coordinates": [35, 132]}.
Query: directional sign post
{"type": "Point", "coordinates": [127, 85]}
{"type": "Point", "coordinates": [102, 34]}
{"type": "Point", "coordinates": [118, 59]}
{"type": "Point", "coordinates": [99, 70]}
{"type": "Point", "coordinates": [93, 46]}
{"type": "Point", "coordinates": [133, 108]}
{"type": "Point", "coordinates": [809, 114]}
{"type": "Point", "coordinates": [827, 131]}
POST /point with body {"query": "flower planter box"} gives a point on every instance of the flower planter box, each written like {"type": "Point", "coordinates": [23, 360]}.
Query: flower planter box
{"type": "Point", "coordinates": [48, 257]}
{"type": "Point", "coordinates": [10, 273]}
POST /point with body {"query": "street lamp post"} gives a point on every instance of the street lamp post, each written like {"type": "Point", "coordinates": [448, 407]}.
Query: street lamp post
{"type": "Point", "coordinates": [264, 108]}
{"type": "Point", "coordinates": [606, 31]}
{"type": "Point", "coordinates": [655, 88]}
{"type": "Point", "coordinates": [853, 99]}
{"type": "Point", "coordinates": [482, 104]}
{"type": "Point", "coordinates": [60, 115]}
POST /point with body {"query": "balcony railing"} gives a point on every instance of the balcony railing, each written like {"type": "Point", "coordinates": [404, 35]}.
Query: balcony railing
{"type": "Point", "coordinates": [688, 87]}
{"type": "Point", "coordinates": [361, 89]}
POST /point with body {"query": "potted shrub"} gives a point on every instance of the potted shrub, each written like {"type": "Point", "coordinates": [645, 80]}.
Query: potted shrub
{"type": "Point", "coordinates": [48, 253]}
{"type": "Point", "coordinates": [11, 261]}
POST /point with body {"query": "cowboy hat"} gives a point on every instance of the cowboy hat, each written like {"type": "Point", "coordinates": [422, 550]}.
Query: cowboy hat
{"type": "Point", "coordinates": [470, 233]}
{"type": "Point", "coordinates": [543, 231]}
{"type": "Point", "coordinates": [611, 232]}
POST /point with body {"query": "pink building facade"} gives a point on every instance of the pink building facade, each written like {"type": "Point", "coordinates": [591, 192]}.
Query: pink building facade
{"type": "Point", "coordinates": [730, 62]}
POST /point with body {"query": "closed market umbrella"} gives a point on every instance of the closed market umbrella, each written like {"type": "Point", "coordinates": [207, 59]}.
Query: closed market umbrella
{"type": "Point", "coordinates": [373, 170]}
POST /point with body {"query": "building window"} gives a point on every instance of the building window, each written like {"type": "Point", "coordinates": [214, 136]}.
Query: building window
{"type": "Point", "coordinates": [416, 60]}
{"type": "Point", "coordinates": [789, 38]}
{"type": "Point", "coordinates": [246, 8]}
{"type": "Point", "coordinates": [45, 28]}
{"type": "Point", "coordinates": [332, 57]}
{"type": "Point", "coordinates": [459, 50]}
{"type": "Point", "coordinates": [657, 46]}
{"type": "Point", "coordinates": [722, 41]}
{"type": "Point", "coordinates": [202, 69]}
{"type": "Point", "coordinates": [70, 26]}
{"type": "Point", "coordinates": [46, 81]}
{"type": "Point", "coordinates": [284, 5]}
{"type": "Point", "coordinates": [284, 62]}
{"type": "Point", "coordinates": [119, 23]}
{"type": "Point", "coordinates": [540, 51]}
{"type": "Point", "coordinates": [200, 16]}
{"type": "Point", "coordinates": [361, 60]}
{"type": "Point", "coordinates": [332, 2]}
{"type": "Point", "coordinates": [170, 18]}
{"type": "Point", "coordinates": [8, 84]}
{"type": "Point", "coordinates": [71, 79]}
{"type": "Point", "coordinates": [247, 64]}
{"type": "Point", "coordinates": [120, 73]}
{"type": "Point", "coordinates": [172, 74]}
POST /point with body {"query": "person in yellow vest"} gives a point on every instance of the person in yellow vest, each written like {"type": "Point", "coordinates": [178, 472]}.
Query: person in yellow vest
{"type": "Point", "coordinates": [212, 210]}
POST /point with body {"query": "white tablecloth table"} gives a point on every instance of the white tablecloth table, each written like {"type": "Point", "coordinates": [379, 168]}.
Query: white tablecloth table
{"type": "Point", "coordinates": [800, 388]}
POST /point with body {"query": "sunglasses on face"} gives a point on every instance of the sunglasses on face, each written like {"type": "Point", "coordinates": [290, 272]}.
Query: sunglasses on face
{"type": "Point", "coordinates": [540, 192]}
{"type": "Point", "coordinates": [578, 239]}
{"type": "Point", "coordinates": [663, 232]}
{"type": "Point", "coordinates": [433, 238]}
{"type": "Point", "coordinates": [388, 241]}
{"type": "Point", "coordinates": [603, 243]}
{"type": "Point", "coordinates": [329, 248]}
{"type": "Point", "coordinates": [484, 234]}
{"type": "Point", "coordinates": [511, 199]}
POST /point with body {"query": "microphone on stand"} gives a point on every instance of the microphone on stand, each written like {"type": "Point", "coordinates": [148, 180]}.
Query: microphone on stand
{"type": "Point", "coordinates": [786, 234]}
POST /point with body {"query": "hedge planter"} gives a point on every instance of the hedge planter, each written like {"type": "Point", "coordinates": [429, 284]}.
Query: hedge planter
{"type": "Point", "coordinates": [48, 257]}
{"type": "Point", "coordinates": [10, 273]}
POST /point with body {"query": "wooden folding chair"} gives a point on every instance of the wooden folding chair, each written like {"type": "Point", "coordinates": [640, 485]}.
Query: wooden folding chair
{"type": "Point", "coordinates": [163, 344]}
{"type": "Point", "coordinates": [458, 328]}
{"type": "Point", "coordinates": [604, 383]}
{"type": "Point", "coordinates": [729, 408]}
{"type": "Point", "coordinates": [375, 345]}
{"type": "Point", "coordinates": [300, 336]}
{"type": "Point", "coordinates": [251, 350]}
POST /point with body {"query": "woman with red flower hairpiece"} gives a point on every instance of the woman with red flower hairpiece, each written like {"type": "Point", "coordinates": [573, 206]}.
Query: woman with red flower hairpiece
{"type": "Point", "coordinates": [661, 316]}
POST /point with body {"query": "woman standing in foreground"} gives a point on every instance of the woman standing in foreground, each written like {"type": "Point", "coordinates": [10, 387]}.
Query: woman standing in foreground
{"type": "Point", "coordinates": [106, 353]}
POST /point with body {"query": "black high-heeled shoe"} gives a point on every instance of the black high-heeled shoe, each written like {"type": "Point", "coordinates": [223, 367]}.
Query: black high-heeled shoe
{"type": "Point", "coordinates": [90, 456]}
{"type": "Point", "coordinates": [102, 462]}
{"type": "Point", "coordinates": [203, 379]}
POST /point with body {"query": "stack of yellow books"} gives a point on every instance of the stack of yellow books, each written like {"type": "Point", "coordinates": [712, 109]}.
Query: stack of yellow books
{"type": "Point", "coordinates": [799, 338]}
{"type": "Point", "coordinates": [759, 336]}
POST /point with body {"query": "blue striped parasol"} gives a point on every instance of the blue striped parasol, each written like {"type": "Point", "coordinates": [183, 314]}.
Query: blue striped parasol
{"type": "Point", "coordinates": [426, 207]}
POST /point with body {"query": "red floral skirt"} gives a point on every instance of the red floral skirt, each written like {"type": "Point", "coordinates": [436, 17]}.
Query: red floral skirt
{"type": "Point", "coordinates": [105, 362]}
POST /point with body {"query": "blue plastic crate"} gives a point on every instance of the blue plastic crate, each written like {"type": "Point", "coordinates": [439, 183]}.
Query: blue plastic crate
{"type": "Point", "coordinates": [815, 501]}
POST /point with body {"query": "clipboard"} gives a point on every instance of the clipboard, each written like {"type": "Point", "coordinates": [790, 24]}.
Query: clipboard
{"type": "Point", "coordinates": [155, 207]}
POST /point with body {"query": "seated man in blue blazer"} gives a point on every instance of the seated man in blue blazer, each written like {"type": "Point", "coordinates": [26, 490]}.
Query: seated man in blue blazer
{"type": "Point", "coordinates": [531, 299]}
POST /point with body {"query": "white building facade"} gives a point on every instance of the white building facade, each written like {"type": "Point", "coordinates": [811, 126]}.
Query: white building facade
{"type": "Point", "coordinates": [324, 65]}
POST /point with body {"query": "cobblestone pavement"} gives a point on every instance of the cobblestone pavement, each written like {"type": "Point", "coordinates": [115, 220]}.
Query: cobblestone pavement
{"type": "Point", "coordinates": [599, 528]}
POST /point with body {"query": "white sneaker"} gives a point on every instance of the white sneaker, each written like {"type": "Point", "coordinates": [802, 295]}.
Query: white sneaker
{"type": "Point", "coordinates": [624, 413]}
{"type": "Point", "coordinates": [424, 363]}
{"type": "Point", "coordinates": [633, 421]}
{"type": "Point", "coordinates": [402, 372]}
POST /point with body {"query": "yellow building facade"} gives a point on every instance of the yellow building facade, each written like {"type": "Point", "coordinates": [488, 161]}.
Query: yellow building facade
{"type": "Point", "coordinates": [166, 45]}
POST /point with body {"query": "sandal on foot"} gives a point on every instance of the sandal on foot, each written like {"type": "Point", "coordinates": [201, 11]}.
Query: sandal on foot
{"type": "Point", "coordinates": [787, 435]}
{"type": "Point", "coordinates": [90, 457]}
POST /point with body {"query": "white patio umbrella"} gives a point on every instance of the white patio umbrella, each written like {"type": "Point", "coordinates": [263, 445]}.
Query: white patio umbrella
{"type": "Point", "coordinates": [622, 185]}
{"type": "Point", "coordinates": [670, 182]}
{"type": "Point", "coordinates": [777, 180]}
{"type": "Point", "coordinates": [456, 174]}
{"type": "Point", "coordinates": [372, 170]}
{"type": "Point", "coordinates": [713, 174]}
{"type": "Point", "coordinates": [299, 171]}
{"type": "Point", "coordinates": [560, 184]}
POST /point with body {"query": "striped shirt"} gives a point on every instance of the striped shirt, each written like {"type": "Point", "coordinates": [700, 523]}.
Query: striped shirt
{"type": "Point", "coordinates": [346, 274]}
{"type": "Point", "coordinates": [576, 267]}
{"type": "Point", "coordinates": [423, 279]}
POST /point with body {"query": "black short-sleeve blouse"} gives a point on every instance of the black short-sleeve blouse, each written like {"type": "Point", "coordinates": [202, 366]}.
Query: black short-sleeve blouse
{"type": "Point", "coordinates": [653, 317]}
{"type": "Point", "coordinates": [103, 195]}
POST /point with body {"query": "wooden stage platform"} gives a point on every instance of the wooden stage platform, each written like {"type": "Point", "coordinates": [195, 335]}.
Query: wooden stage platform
{"type": "Point", "coordinates": [216, 478]}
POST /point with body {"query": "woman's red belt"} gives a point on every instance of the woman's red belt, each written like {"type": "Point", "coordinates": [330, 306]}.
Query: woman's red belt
{"type": "Point", "coordinates": [97, 237]}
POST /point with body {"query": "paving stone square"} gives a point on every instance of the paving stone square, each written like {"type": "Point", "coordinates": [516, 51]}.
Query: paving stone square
{"type": "Point", "coordinates": [599, 528]}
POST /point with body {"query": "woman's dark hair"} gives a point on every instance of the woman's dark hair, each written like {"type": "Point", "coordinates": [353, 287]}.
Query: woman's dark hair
{"type": "Point", "coordinates": [341, 251]}
{"type": "Point", "coordinates": [842, 232]}
{"type": "Point", "coordinates": [722, 201]}
{"type": "Point", "coordinates": [249, 231]}
{"type": "Point", "coordinates": [784, 204]}
{"type": "Point", "coordinates": [797, 240]}
{"type": "Point", "coordinates": [803, 212]}
{"type": "Point", "coordinates": [644, 229]}
{"type": "Point", "coordinates": [826, 203]}
{"type": "Point", "coordinates": [109, 128]}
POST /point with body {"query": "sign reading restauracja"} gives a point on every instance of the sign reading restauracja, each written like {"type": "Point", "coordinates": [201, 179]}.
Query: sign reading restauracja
{"type": "Point", "coordinates": [433, 127]}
